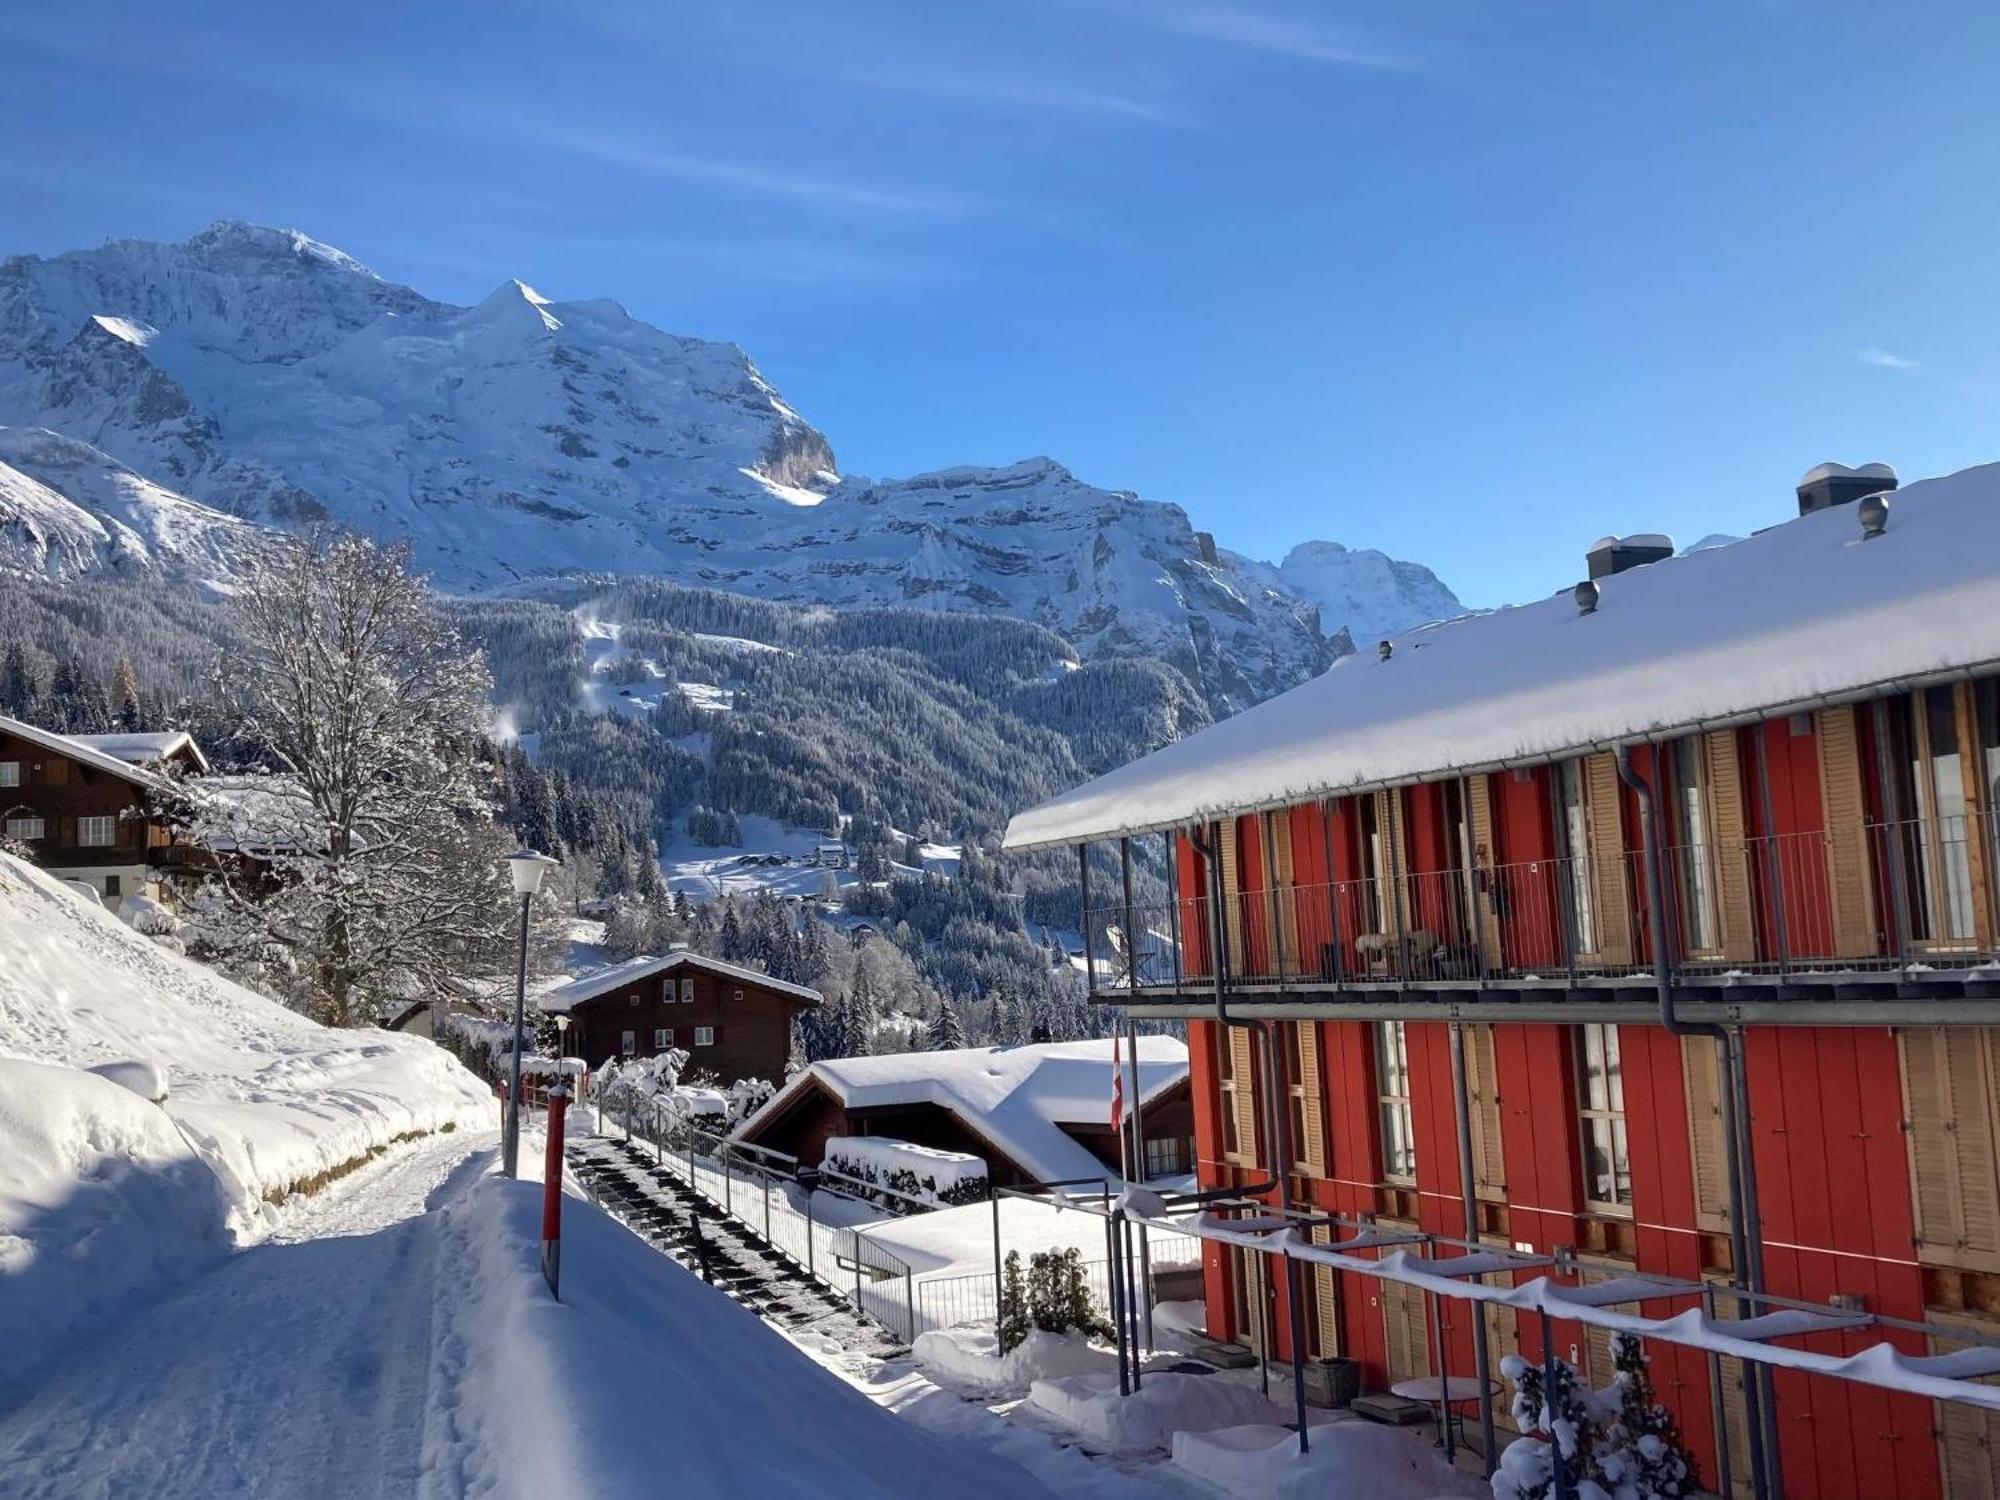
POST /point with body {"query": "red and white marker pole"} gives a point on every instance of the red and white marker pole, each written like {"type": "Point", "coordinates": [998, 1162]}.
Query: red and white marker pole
{"type": "Point", "coordinates": [552, 1175]}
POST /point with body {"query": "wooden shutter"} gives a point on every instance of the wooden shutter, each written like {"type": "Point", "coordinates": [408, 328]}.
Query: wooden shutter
{"type": "Point", "coordinates": [1949, 1116]}
{"type": "Point", "coordinates": [1978, 841]}
{"type": "Point", "coordinates": [1479, 814]}
{"type": "Point", "coordinates": [1242, 1094]}
{"type": "Point", "coordinates": [1603, 795]}
{"type": "Point", "coordinates": [1598, 1370]}
{"type": "Point", "coordinates": [1706, 1146]}
{"type": "Point", "coordinates": [1232, 897]}
{"type": "Point", "coordinates": [1736, 1423]}
{"type": "Point", "coordinates": [1482, 1087]}
{"type": "Point", "coordinates": [1395, 860]}
{"type": "Point", "coordinates": [1968, 1436]}
{"type": "Point", "coordinates": [1252, 1279]}
{"type": "Point", "coordinates": [1312, 1091]}
{"type": "Point", "coordinates": [1730, 854]}
{"type": "Point", "coordinates": [1284, 889]}
{"type": "Point", "coordinates": [1503, 1337]}
{"type": "Point", "coordinates": [1405, 1324]}
{"type": "Point", "coordinates": [1846, 813]}
{"type": "Point", "coordinates": [1326, 1299]}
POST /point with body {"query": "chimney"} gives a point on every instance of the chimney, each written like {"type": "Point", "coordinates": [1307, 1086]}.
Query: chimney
{"type": "Point", "coordinates": [1829, 485]}
{"type": "Point", "coordinates": [1620, 554]}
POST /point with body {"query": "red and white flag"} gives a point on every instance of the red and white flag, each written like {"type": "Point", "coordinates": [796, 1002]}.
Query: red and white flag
{"type": "Point", "coordinates": [1117, 1088]}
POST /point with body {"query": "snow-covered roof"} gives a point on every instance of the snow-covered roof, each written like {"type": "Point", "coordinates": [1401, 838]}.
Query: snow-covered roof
{"type": "Point", "coordinates": [80, 749]}
{"type": "Point", "coordinates": [1802, 614]}
{"type": "Point", "coordinates": [590, 986]}
{"type": "Point", "coordinates": [1017, 1098]}
{"type": "Point", "coordinates": [143, 749]}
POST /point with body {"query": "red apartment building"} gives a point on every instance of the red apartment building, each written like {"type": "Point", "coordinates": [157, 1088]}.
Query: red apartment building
{"type": "Point", "coordinates": [1426, 868]}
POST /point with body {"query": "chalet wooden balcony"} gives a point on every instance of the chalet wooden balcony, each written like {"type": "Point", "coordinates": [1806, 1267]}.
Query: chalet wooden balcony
{"type": "Point", "coordinates": [1885, 906]}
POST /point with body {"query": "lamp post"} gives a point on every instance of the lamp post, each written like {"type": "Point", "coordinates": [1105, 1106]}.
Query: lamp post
{"type": "Point", "coordinates": [562, 1040]}
{"type": "Point", "coordinates": [526, 868]}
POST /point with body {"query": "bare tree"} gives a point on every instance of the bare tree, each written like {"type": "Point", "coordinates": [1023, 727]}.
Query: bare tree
{"type": "Point", "coordinates": [366, 866]}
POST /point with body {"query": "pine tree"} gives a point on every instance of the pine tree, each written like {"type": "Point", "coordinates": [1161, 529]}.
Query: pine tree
{"type": "Point", "coordinates": [1642, 1453]}
{"type": "Point", "coordinates": [20, 693]}
{"type": "Point", "coordinates": [125, 696]}
{"type": "Point", "coordinates": [947, 1032]}
{"type": "Point", "coordinates": [863, 1013]}
{"type": "Point", "coordinates": [1013, 1320]}
{"type": "Point", "coordinates": [731, 936]}
{"type": "Point", "coordinates": [1564, 1419]}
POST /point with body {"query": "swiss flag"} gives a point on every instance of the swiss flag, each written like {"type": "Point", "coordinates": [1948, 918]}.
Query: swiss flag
{"type": "Point", "coordinates": [1117, 1087]}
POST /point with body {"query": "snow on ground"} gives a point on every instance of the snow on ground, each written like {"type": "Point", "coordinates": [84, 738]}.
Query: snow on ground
{"type": "Point", "coordinates": [959, 1241]}
{"type": "Point", "coordinates": [106, 1197]}
{"type": "Point", "coordinates": [303, 1367]}
{"type": "Point", "coordinates": [1348, 1460]}
{"type": "Point", "coordinates": [1147, 1419]}
{"type": "Point", "coordinates": [643, 1380]}
{"type": "Point", "coordinates": [968, 1358]}
{"type": "Point", "coordinates": [742, 869]}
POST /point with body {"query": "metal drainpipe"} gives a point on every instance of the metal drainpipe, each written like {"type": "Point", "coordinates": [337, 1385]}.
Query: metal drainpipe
{"type": "Point", "coordinates": [1468, 1187]}
{"type": "Point", "coordinates": [1274, 1132]}
{"type": "Point", "coordinates": [1727, 1098]}
{"type": "Point", "coordinates": [1753, 1234]}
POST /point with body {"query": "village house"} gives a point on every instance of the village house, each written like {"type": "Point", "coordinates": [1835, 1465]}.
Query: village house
{"type": "Point", "coordinates": [1656, 922]}
{"type": "Point", "coordinates": [732, 1022]}
{"type": "Point", "coordinates": [90, 808]}
{"type": "Point", "coordinates": [1034, 1113]}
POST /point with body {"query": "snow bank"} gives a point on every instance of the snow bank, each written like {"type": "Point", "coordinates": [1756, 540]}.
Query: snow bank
{"type": "Point", "coordinates": [1164, 1404]}
{"type": "Point", "coordinates": [270, 1099]}
{"type": "Point", "coordinates": [105, 1193]}
{"type": "Point", "coordinates": [1350, 1460]}
{"type": "Point", "coordinates": [968, 1358]}
{"type": "Point", "coordinates": [100, 1198]}
{"type": "Point", "coordinates": [553, 1393]}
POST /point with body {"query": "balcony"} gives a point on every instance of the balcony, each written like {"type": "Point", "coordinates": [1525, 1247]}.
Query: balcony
{"type": "Point", "coordinates": [1876, 908]}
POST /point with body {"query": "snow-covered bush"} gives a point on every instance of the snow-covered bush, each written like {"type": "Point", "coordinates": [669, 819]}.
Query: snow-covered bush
{"type": "Point", "coordinates": [904, 1178]}
{"type": "Point", "coordinates": [1617, 1443]}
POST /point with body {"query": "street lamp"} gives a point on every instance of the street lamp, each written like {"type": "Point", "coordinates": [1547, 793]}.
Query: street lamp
{"type": "Point", "coordinates": [526, 868]}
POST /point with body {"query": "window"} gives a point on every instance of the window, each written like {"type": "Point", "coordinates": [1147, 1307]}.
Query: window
{"type": "Point", "coordinates": [633, 1000]}
{"type": "Point", "coordinates": [628, 1043]}
{"type": "Point", "coordinates": [666, 992]}
{"type": "Point", "coordinates": [1692, 853]}
{"type": "Point", "coordinates": [1239, 1109]}
{"type": "Point", "coordinates": [1166, 1156]}
{"type": "Point", "coordinates": [687, 990]}
{"type": "Point", "coordinates": [1600, 1093]}
{"type": "Point", "coordinates": [96, 832]}
{"type": "Point", "coordinates": [737, 996]}
{"type": "Point", "coordinates": [10, 773]}
{"type": "Point", "coordinates": [1573, 819]}
{"type": "Point", "coordinates": [704, 1036]}
{"type": "Point", "coordinates": [1931, 794]}
{"type": "Point", "coordinates": [25, 826]}
{"type": "Point", "coordinates": [1392, 1098]}
{"type": "Point", "coordinates": [113, 886]}
{"type": "Point", "coordinates": [663, 1038]}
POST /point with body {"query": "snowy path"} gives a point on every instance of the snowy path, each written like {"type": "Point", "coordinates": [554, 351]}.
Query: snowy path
{"type": "Point", "coordinates": [302, 1367]}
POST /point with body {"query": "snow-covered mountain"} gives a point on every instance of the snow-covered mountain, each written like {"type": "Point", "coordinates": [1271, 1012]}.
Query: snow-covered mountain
{"type": "Point", "coordinates": [265, 374]}
{"type": "Point", "coordinates": [1361, 595]}
{"type": "Point", "coordinates": [67, 509]}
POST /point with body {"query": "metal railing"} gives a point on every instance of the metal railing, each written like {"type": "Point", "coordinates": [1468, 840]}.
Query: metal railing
{"type": "Point", "coordinates": [1919, 894]}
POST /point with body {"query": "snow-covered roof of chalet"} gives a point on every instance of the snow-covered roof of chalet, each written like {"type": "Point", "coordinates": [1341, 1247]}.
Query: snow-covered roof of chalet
{"type": "Point", "coordinates": [80, 749]}
{"type": "Point", "coordinates": [1017, 1098]}
{"type": "Point", "coordinates": [1801, 614]}
{"type": "Point", "coordinates": [148, 749]}
{"type": "Point", "coordinates": [590, 986]}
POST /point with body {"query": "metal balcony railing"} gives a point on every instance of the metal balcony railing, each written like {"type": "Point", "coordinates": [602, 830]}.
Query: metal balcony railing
{"type": "Point", "coordinates": [1917, 895]}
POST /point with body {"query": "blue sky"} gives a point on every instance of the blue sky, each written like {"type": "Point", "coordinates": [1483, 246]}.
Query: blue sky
{"type": "Point", "coordinates": [1473, 283]}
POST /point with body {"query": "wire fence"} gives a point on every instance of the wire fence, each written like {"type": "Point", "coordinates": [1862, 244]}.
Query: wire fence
{"type": "Point", "coordinates": [762, 1190]}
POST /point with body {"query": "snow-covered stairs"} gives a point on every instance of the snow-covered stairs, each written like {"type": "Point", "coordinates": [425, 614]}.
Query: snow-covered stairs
{"type": "Point", "coordinates": [697, 1234]}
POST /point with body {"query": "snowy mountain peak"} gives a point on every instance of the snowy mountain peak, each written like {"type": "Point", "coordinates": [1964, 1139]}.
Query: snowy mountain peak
{"type": "Point", "coordinates": [139, 335]}
{"type": "Point", "coordinates": [515, 304]}
{"type": "Point", "coordinates": [233, 238]}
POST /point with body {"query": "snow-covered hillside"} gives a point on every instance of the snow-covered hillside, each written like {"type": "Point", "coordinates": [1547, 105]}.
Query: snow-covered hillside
{"type": "Point", "coordinates": [104, 1193]}
{"type": "Point", "coordinates": [67, 509]}
{"type": "Point", "coordinates": [1364, 593]}
{"type": "Point", "coordinates": [271, 376]}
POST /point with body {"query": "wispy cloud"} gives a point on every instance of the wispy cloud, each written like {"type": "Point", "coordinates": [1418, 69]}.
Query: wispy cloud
{"type": "Point", "coordinates": [1882, 359]}
{"type": "Point", "coordinates": [1263, 31]}
{"type": "Point", "coordinates": [826, 192]}
{"type": "Point", "coordinates": [1006, 91]}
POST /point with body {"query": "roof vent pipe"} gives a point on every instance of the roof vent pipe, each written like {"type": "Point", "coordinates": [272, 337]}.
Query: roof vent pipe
{"type": "Point", "coordinates": [1385, 649]}
{"type": "Point", "coordinates": [1874, 516]}
{"type": "Point", "coordinates": [1585, 594]}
